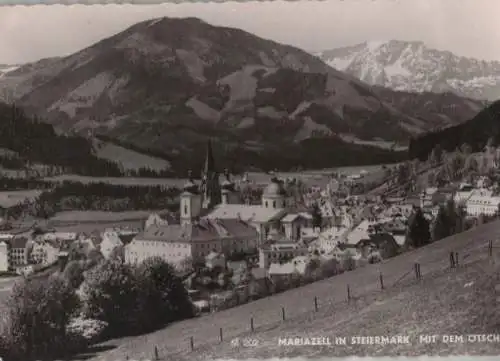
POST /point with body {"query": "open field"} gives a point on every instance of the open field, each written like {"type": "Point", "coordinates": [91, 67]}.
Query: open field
{"type": "Point", "coordinates": [378, 311]}
{"type": "Point", "coordinates": [384, 144]}
{"type": "Point", "coordinates": [124, 181]}
{"type": "Point", "coordinates": [100, 216]}
{"type": "Point", "coordinates": [257, 177]}
{"type": "Point", "coordinates": [12, 198]}
{"type": "Point", "coordinates": [129, 159]}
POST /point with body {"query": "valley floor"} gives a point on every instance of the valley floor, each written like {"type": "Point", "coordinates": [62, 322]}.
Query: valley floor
{"type": "Point", "coordinates": [443, 302]}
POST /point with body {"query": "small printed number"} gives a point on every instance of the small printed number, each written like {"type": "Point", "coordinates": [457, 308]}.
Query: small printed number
{"type": "Point", "coordinates": [245, 342]}
{"type": "Point", "coordinates": [250, 342]}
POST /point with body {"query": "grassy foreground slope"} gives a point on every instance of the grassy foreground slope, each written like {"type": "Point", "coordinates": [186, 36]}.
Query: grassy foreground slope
{"type": "Point", "coordinates": [444, 302]}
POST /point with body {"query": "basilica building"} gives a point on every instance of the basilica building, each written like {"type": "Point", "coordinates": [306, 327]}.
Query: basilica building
{"type": "Point", "coordinates": [214, 217]}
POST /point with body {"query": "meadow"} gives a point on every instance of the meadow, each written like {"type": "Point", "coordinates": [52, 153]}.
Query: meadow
{"type": "Point", "coordinates": [129, 159]}
{"type": "Point", "coordinates": [438, 303]}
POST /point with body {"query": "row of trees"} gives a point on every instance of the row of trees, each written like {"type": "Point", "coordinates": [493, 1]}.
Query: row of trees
{"type": "Point", "coordinates": [450, 219]}
{"type": "Point", "coordinates": [98, 196]}
{"type": "Point", "coordinates": [52, 318]}
{"type": "Point", "coordinates": [462, 163]}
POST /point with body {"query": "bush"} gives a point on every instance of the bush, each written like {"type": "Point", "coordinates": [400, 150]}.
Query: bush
{"type": "Point", "coordinates": [374, 257]}
{"type": "Point", "coordinates": [163, 297]}
{"type": "Point", "coordinates": [134, 299]}
{"type": "Point", "coordinates": [330, 268]}
{"type": "Point", "coordinates": [348, 263]}
{"type": "Point", "coordinates": [73, 272]}
{"type": "Point", "coordinates": [86, 331]}
{"type": "Point", "coordinates": [110, 294]}
{"type": "Point", "coordinates": [40, 311]}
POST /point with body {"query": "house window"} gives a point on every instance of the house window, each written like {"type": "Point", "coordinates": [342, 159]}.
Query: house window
{"type": "Point", "coordinates": [266, 204]}
{"type": "Point", "coordinates": [185, 209]}
{"type": "Point", "coordinates": [274, 204]}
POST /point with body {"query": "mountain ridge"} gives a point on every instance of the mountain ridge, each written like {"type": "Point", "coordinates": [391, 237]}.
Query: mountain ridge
{"type": "Point", "coordinates": [413, 66]}
{"type": "Point", "coordinates": [171, 84]}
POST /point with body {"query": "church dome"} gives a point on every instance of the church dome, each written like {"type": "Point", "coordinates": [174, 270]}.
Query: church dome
{"type": "Point", "coordinates": [274, 189]}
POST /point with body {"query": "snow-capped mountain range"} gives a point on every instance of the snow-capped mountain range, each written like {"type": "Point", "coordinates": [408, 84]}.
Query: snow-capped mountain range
{"type": "Point", "coordinates": [414, 67]}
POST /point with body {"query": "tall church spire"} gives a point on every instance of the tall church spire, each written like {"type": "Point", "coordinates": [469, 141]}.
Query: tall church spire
{"type": "Point", "coordinates": [210, 186]}
{"type": "Point", "coordinates": [209, 159]}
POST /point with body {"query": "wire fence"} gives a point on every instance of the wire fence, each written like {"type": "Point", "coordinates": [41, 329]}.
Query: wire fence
{"type": "Point", "coordinates": [378, 283]}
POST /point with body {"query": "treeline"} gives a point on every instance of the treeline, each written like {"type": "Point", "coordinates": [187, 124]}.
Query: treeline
{"type": "Point", "coordinates": [313, 153]}
{"type": "Point", "coordinates": [36, 141]}
{"type": "Point", "coordinates": [49, 319]}
{"type": "Point", "coordinates": [474, 132]}
{"type": "Point", "coordinates": [13, 184]}
{"type": "Point", "coordinates": [451, 219]}
{"type": "Point", "coordinates": [11, 162]}
{"type": "Point", "coordinates": [104, 197]}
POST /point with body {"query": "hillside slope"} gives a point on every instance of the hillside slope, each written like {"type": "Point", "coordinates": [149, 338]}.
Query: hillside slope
{"type": "Point", "coordinates": [413, 66]}
{"type": "Point", "coordinates": [169, 84]}
{"type": "Point", "coordinates": [336, 317]}
{"type": "Point", "coordinates": [476, 132]}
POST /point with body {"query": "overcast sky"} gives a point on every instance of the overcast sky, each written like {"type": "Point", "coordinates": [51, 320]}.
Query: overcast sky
{"type": "Point", "coordinates": [466, 27]}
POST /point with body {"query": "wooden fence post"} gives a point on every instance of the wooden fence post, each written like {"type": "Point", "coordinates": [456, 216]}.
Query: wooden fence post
{"type": "Point", "coordinates": [381, 281]}
{"type": "Point", "coordinates": [156, 355]}
{"type": "Point", "coordinates": [251, 324]}
{"type": "Point", "coordinates": [283, 313]}
{"type": "Point", "coordinates": [456, 259]}
{"type": "Point", "coordinates": [452, 260]}
{"type": "Point", "coordinates": [418, 275]}
{"type": "Point", "coordinates": [315, 304]}
{"type": "Point", "coordinates": [490, 248]}
{"type": "Point", "coordinates": [220, 334]}
{"type": "Point", "coordinates": [348, 293]}
{"type": "Point", "coordinates": [191, 341]}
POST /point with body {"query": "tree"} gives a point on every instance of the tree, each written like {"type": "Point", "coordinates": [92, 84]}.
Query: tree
{"type": "Point", "coordinates": [471, 164]}
{"type": "Point", "coordinates": [441, 225]}
{"type": "Point", "coordinates": [73, 272]}
{"type": "Point", "coordinates": [436, 156]}
{"type": "Point", "coordinates": [317, 219]}
{"type": "Point", "coordinates": [418, 233]}
{"type": "Point", "coordinates": [110, 293]}
{"type": "Point", "coordinates": [466, 149]}
{"type": "Point", "coordinates": [118, 253]}
{"type": "Point", "coordinates": [40, 311]}
{"type": "Point", "coordinates": [163, 297]}
{"type": "Point", "coordinates": [431, 179]}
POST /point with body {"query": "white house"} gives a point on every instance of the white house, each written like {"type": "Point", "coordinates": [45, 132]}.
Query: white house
{"type": "Point", "coordinates": [177, 242]}
{"type": "Point", "coordinates": [280, 250]}
{"type": "Point", "coordinates": [4, 256]}
{"type": "Point", "coordinates": [482, 204]}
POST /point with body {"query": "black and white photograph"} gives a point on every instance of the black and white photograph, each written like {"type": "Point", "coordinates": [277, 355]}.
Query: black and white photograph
{"type": "Point", "coordinates": [249, 180]}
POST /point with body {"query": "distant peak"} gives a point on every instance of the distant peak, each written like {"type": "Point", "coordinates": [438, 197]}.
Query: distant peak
{"type": "Point", "coordinates": [375, 44]}
{"type": "Point", "coordinates": [168, 20]}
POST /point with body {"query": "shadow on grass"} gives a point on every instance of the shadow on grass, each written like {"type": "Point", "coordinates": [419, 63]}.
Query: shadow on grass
{"type": "Point", "coordinates": [90, 352]}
